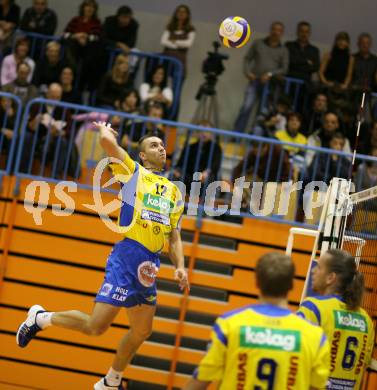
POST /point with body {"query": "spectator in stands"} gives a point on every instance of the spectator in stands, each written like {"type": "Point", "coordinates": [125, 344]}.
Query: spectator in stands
{"type": "Point", "coordinates": [49, 68]}
{"type": "Point", "coordinates": [323, 136]}
{"type": "Point", "coordinates": [366, 175]}
{"type": "Point", "coordinates": [82, 43]}
{"type": "Point", "coordinates": [115, 82]}
{"type": "Point", "coordinates": [120, 30]}
{"type": "Point", "coordinates": [267, 59]}
{"type": "Point", "coordinates": [52, 125]}
{"type": "Point", "coordinates": [179, 35]}
{"type": "Point", "coordinates": [70, 94]}
{"type": "Point", "coordinates": [275, 119]}
{"type": "Point", "coordinates": [326, 166]}
{"type": "Point", "coordinates": [368, 140]}
{"type": "Point", "coordinates": [134, 131]}
{"type": "Point", "coordinates": [129, 102]}
{"type": "Point", "coordinates": [8, 112]}
{"type": "Point", "coordinates": [292, 134]}
{"type": "Point", "coordinates": [39, 19]}
{"type": "Point", "coordinates": [10, 62]}
{"type": "Point", "coordinates": [303, 57]}
{"type": "Point", "coordinates": [336, 69]}
{"type": "Point", "coordinates": [155, 88]}
{"type": "Point", "coordinates": [203, 155]}
{"type": "Point", "coordinates": [21, 87]}
{"type": "Point", "coordinates": [9, 20]}
{"type": "Point", "coordinates": [313, 119]}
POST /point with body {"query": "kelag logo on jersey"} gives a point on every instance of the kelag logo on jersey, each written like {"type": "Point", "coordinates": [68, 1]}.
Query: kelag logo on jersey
{"type": "Point", "coordinates": [350, 321]}
{"type": "Point", "coordinates": [278, 339]}
{"type": "Point", "coordinates": [157, 203]}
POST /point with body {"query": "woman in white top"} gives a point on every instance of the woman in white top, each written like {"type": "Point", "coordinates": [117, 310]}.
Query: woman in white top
{"type": "Point", "coordinates": [10, 62]}
{"type": "Point", "coordinates": [179, 35]}
{"type": "Point", "coordinates": [155, 88]}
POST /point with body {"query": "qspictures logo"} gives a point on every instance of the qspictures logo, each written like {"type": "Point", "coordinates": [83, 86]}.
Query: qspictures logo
{"type": "Point", "coordinates": [268, 338]}
{"type": "Point", "coordinates": [350, 321]}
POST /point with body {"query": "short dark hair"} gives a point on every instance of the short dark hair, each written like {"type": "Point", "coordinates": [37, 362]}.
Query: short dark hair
{"type": "Point", "coordinates": [364, 35]}
{"type": "Point", "coordinates": [124, 11]}
{"type": "Point", "coordinates": [338, 135]}
{"type": "Point", "coordinates": [23, 63]}
{"type": "Point", "coordinates": [277, 22]}
{"type": "Point", "coordinates": [275, 272]}
{"type": "Point", "coordinates": [146, 136]}
{"type": "Point", "coordinates": [294, 115]}
{"type": "Point", "coordinates": [304, 23]}
{"type": "Point", "coordinates": [350, 281]}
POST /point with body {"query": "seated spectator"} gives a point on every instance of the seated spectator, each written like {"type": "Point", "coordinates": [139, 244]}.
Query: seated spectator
{"type": "Point", "coordinates": [49, 68]}
{"type": "Point", "coordinates": [326, 166]}
{"type": "Point", "coordinates": [10, 62]}
{"type": "Point", "coordinates": [82, 43]}
{"type": "Point", "coordinates": [70, 94]}
{"type": "Point", "coordinates": [323, 136]}
{"type": "Point", "coordinates": [292, 134]}
{"type": "Point", "coordinates": [39, 19]}
{"type": "Point", "coordinates": [266, 59]}
{"type": "Point", "coordinates": [366, 175]}
{"type": "Point", "coordinates": [303, 57]}
{"type": "Point", "coordinates": [114, 83]}
{"type": "Point", "coordinates": [273, 120]}
{"type": "Point", "coordinates": [120, 30]}
{"type": "Point", "coordinates": [8, 112]}
{"type": "Point", "coordinates": [337, 67]}
{"type": "Point", "coordinates": [368, 139]}
{"type": "Point", "coordinates": [129, 102]}
{"type": "Point", "coordinates": [9, 20]}
{"type": "Point", "coordinates": [203, 155]}
{"type": "Point", "coordinates": [52, 125]}
{"type": "Point", "coordinates": [134, 131]}
{"type": "Point", "coordinates": [313, 118]}
{"type": "Point", "coordinates": [21, 87]}
{"type": "Point", "coordinates": [179, 35]}
{"type": "Point", "coordinates": [155, 88]}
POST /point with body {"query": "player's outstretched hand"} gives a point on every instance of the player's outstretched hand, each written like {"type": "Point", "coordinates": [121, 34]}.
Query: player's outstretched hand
{"type": "Point", "coordinates": [180, 275]}
{"type": "Point", "coordinates": [105, 127]}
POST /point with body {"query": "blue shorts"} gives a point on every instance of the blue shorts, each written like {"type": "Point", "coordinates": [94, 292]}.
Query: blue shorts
{"type": "Point", "coordinates": [130, 277]}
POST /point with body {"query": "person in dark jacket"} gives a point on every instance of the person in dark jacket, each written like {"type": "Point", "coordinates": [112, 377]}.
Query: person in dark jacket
{"type": "Point", "coordinates": [9, 21]}
{"type": "Point", "coordinates": [39, 19]}
{"type": "Point", "coordinates": [120, 30]}
{"type": "Point", "coordinates": [204, 156]}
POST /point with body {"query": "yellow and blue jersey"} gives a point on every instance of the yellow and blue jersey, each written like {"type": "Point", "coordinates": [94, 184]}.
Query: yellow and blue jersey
{"type": "Point", "coordinates": [350, 334]}
{"type": "Point", "coordinates": [151, 205]}
{"type": "Point", "coordinates": [265, 347]}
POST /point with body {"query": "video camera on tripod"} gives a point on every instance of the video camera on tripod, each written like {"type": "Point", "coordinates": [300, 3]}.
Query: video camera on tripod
{"type": "Point", "coordinates": [212, 67]}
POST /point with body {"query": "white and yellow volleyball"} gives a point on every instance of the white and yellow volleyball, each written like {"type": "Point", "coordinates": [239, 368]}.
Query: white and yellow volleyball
{"type": "Point", "coordinates": [234, 32]}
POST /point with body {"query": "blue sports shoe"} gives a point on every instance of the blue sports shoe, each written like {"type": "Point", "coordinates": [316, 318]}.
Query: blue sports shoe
{"type": "Point", "coordinates": [29, 328]}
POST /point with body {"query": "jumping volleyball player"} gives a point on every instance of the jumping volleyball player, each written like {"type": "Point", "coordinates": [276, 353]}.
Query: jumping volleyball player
{"type": "Point", "coordinates": [337, 310]}
{"type": "Point", "coordinates": [151, 210]}
{"type": "Point", "coordinates": [265, 346]}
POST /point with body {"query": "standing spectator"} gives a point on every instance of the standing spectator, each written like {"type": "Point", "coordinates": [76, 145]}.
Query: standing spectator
{"type": "Point", "coordinates": [48, 69]}
{"type": "Point", "coordinates": [323, 136]}
{"type": "Point", "coordinates": [9, 20]}
{"type": "Point", "coordinates": [326, 166]}
{"type": "Point", "coordinates": [10, 62]}
{"type": "Point", "coordinates": [266, 58]}
{"type": "Point", "coordinates": [292, 134]}
{"type": "Point", "coordinates": [39, 18]}
{"type": "Point", "coordinates": [303, 57]}
{"type": "Point", "coordinates": [120, 30]}
{"type": "Point", "coordinates": [21, 87]}
{"type": "Point", "coordinates": [179, 35]}
{"type": "Point", "coordinates": [70, 94]}
{"type": "Point", "coordinates": [115, 82]}
{"type": "Point", "coordinates": [155, 88]}
{"type": "Point", "coordinates": [204, 156]}
{"type": "Point", "coordinates": [82, 43]}
{"type": "Point", "coordinates": [313, 119]}
{"type": "Point", "coordinates": [336, 68]}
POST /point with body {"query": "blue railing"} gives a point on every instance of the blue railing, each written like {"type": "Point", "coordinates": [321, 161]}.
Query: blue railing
{"type": "Point", "coordinates": [10, 115]}
{"type": "Point", "coordinates": [68, 149]}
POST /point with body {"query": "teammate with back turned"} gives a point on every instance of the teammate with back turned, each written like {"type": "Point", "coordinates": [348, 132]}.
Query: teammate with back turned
{"type": "Point", "coordinates": [265, 345]}
{"type": "Point", "coordinates": [151, 210]}
{"type": "Point", "coordinates": [337, 310]}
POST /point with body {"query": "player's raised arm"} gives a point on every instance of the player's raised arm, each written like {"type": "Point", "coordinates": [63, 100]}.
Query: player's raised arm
{"type": "Point", "coordinates": [109, 141]}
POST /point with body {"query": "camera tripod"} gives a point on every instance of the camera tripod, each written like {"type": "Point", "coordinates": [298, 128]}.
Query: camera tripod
{"type": "Point", "coordinates": [207, 109]}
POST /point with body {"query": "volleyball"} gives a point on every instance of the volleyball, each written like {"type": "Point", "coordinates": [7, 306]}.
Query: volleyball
{"type": "Point", "coordinates": [234, 32]}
